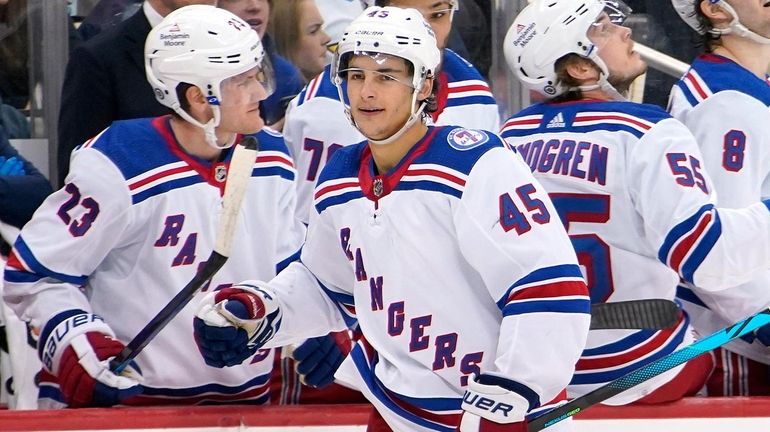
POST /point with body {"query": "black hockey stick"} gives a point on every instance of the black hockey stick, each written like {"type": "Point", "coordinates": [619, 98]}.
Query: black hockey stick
{"type": "Point", "coordinates": [650, 370]}
{"type": "Point", "coordinates": [238, 176]}
{"type": "Point", "coordinates": [652, 314]}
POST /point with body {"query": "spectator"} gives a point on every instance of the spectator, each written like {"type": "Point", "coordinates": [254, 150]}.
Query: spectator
{"type": "Point", "coordinates": [289, 81]}
{"type": "Point", "coordinates": [297, 27]}
{"type": "Point", "coordinates": [22, 186]}
{"type": "Point", "coordinates": [105, 80]}
{"type": "Point", "coordinates": [107, 14]}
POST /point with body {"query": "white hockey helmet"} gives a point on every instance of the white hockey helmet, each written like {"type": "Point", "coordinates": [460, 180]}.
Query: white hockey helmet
{"type": "Point", "coordinates": [687, 10]}
{"type": "Point", "coordinates": [201, 45]}
{"type": "Point", "coordinates": [393, 31]}
{"type": "Point", "coordinates": [547, 30]}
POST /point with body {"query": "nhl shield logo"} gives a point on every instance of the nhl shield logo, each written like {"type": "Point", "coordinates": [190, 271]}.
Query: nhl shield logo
{"type": "Point", "coordinates": [378, 188]}
{"type": "Point", "coordinates": [220, 173]}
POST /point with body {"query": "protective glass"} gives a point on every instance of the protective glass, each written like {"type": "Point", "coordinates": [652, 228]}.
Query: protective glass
{"type": "Point", "coordinates": [608, 23]}
{"type": "Point", "coordinates": [383, 76]}
{"type": "Point", "coordinates": [246, 82]}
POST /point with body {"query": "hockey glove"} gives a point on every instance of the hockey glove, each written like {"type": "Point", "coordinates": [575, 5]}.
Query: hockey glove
{"type": "Point", "coordinates": [233, 323]}
{"type": "Point", "coordinates": [77, 350]}
{"type": "Point", "coordinates": [491, 404]}
{"type": "Point", "coordinates": [318, 358]}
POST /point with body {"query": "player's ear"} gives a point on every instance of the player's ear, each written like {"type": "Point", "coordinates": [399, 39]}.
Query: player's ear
{"type": "Point", "coordinates": [715, 13]}
{"type": "Point", "coordinates": [581, 69]}
{"type": "Point", "coordinates": [194, 96]}
{"type": "Point", "coordinates": [426, 89]}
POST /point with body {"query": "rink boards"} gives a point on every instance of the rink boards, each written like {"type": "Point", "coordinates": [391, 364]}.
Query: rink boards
{"type": "Point", "coordinates": [692, 415]}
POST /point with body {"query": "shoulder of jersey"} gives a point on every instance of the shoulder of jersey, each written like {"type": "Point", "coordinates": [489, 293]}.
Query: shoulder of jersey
{"type": "Point", "coordinates": [319, 87]}
{"type": "Point", "coordinates": [711, 74]}
{"type": "Point", "coordinates": [344, 163]}
{"type": "Point", "coordinates": [133, 146]}
{"type": "Point", "coordinates": [459, 148]}
{"type": "Point", "coordinates": [615, 116]}
{"type": "Point", "coordinates": [465, 84]}
{"type": "Point", "coordinates": [271, 140]}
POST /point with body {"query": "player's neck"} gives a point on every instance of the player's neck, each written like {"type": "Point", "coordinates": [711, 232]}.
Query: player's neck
{"type": "Point", "coordinates": [751, 55]}
{"type": "Point", "coordinates": [192, 139]}
{"type": "Point", "coordinates": [387, 156]}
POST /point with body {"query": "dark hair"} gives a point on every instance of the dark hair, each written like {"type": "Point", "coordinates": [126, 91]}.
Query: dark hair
{"type": "Point", "coordinates": [382, 3]}
{"type": "Point", "coordinates": [709, 41]}
{"type": "Point", "coordinates": [563, 78]}
{"type": "Point", "coordinates": [431, 102]}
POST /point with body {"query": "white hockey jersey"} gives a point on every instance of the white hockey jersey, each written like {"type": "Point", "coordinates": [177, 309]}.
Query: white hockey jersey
{"type": "Point", "coordinates": [454, 264]}
{"type": "Point", "coordinates": [316, 124]}
{"type": "Point", "coordinates": [727, 108]}
{"type": "Point", "coordinates": [630, 188]}
{"type": "Point", "coordinates": [135, 220]}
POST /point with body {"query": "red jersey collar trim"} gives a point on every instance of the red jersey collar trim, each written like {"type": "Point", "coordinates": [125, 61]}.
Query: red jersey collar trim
{"type": "Point", "coordinates": [376, 187]}
{"type": "Point", "coordinates": [207, 170]}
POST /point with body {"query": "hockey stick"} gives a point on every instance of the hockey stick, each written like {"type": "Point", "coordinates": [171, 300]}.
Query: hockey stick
{"type": "Point", "coordinates": [650, 370]}
{"type": "Point", "coordinates": [239, 173]}
{"type": "Point", "coordinates": [652, 314]}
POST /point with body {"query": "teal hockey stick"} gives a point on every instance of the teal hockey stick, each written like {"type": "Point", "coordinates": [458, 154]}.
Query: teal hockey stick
{"type": "Point", "coordinates": [649, 371]}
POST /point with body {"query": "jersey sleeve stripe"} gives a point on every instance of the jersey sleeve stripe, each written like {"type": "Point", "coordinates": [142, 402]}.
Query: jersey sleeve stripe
{"type": "Point", "coordinates": [607, 366]}
{"type": "Point", "coordinates": [285, 263]}
{"type": "Point", "coordinates": [273, 163]}
{"type": "Point", "coordinates": [159, 175]}
{"type": "Point", "coordinates": [344, 303]}
{"type": "Point", "coordinates": [27, 263]}
{"type": "Point", "coordinates": [698, 88]}
{"type": "Point", "coordinates": [686, 294]}
{"type": "Point", "coordinates": [687, 244]}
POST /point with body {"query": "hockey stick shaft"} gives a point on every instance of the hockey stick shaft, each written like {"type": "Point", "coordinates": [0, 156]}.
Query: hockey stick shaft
{"type": "Point", "coordinates": [239, 173]}
{"type": "Point", "coordinates": [650, 370]}
{"type": "Point", "coordinates": [652, 314]}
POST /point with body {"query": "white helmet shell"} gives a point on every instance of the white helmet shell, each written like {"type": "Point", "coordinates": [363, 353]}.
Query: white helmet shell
{"type": "Point", "coordinates": [201, 45]}
{"type": "Point", "coordinates": [686, 10]}
{"type": "Point", "coordinates": [394, 31]}
{"type": "Point", "coordinates": [544, 32]}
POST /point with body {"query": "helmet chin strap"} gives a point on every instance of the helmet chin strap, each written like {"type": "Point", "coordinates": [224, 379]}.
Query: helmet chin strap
{"type": "Point", "coordinates": [604, 85]}
{"type": "Point", "coordinates": [209, 128]}
{"type": "Point", "coordinates": [735, 27]}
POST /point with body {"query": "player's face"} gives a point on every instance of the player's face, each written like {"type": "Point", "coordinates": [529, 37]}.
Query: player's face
{"type": "Point", "coordinates": [437, 13]}
{"type": "Point", "coordinates": [754, 14]}
{"type": "Point", "coordinates": [616, 49]}
{"type": "Point", "coordinates": [239, 106]}
{"type": "Point", "coordinates": [311, 46]}
{"type": "Point", "coordinates": [380, 94]}
{"type": "Point", "coordinates": [255, 12]}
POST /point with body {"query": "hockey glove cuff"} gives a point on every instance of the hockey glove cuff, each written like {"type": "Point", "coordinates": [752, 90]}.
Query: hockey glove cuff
{"type": "Point", "coordinates": [76, 348]}
{"type": "Point", "coordinates": [490, 404]}
{"type": "Point", "coordinates": [232, 323]}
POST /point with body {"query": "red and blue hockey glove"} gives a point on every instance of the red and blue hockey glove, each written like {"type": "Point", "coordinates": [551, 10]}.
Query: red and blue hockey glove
{"type": "Point", "coordinates": [76, 348]}
{"type": "Point", "coordinates": [233, 323]}
{"type": "Point", "coordinates": [492, 404]}
{"type": "Point", "coordinates": [318, 358]}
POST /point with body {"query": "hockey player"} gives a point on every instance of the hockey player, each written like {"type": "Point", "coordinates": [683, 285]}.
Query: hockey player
{"type": "Point", "coordinates": [629, 185]}
{"type": "Point", "coordinates": [315, 121]}
{"type": "Point", "coordinates": [724, 100]}
{"type": "Point", "coordinates": [439, 239]}
{"type": "Point", "coordinates": [137, 215]}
